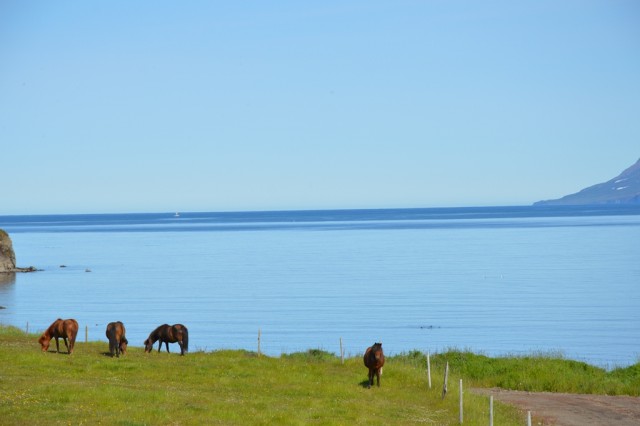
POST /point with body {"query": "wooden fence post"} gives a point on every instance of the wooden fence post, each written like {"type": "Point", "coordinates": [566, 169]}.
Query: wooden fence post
{"type": "Point", "coordinates": [528, 418]}
{"type": "Point", "coordinates": [491, 410]}
{"type": "Point", "coordinates": [429, 369]}
{"type": "Point", "coordinates": [461, 411]}
{"type": "Point", "coordinates": [446, 377]}
{"type": "Point", "coordinates": [86, 333]}
{"type": "Point", "coordinates": [341, 352]}
{"type": "Point", "coordinates": [27, 327]}
{"type": "Point", "coordinates": [259, 352]}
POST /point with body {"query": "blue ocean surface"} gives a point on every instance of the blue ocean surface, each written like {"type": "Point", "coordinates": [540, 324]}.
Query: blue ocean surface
{"type": "Point", "coordinates": [494, 280]}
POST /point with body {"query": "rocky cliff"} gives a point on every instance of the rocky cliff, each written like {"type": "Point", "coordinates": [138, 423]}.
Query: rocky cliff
{"type": "Point", "coordinates": [7, 256]}
{"type": "Point", "coordinates": [622, 189]}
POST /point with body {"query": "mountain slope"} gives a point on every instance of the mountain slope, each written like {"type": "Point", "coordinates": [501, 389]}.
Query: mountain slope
{"type": "Point", "coordinates": [622, 189]}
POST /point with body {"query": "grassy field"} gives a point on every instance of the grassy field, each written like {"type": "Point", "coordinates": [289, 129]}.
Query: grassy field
{"type": "Point", "coordinates": [237, 387]}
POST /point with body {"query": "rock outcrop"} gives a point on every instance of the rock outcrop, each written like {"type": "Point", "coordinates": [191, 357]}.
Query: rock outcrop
{"type": "Point", "coordinates": [8, 256]}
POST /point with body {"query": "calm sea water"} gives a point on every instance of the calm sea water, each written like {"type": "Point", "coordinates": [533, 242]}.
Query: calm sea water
{"type": "Point", "coordinates": [510, 280]}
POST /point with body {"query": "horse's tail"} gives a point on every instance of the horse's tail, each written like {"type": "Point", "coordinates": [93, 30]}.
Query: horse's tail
{"type": "Point", "coordinates": [185, 339]}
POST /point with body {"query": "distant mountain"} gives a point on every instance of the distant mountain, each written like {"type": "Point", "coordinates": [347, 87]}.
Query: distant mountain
{"type": "Point", "coordinates": [622, 189]}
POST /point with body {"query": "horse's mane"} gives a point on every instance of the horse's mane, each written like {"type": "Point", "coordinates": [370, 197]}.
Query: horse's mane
{"type": "Point", "coordinates": [52, 328]}
{"type": "Point", "coordinates": [157, 333]}
{"type": "Point", "coordinates": [159, 328]}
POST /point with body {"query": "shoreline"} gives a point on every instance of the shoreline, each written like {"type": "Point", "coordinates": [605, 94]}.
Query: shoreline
{"type": "Point", "coordinates": [21, 270]}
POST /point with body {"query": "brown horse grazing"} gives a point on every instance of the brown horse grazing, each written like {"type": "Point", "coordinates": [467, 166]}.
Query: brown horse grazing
{"type": "Point", "coordinates": [374, 360]}
{"type": "Point", "coordinates": [117, 340]}
{"type": "Point", "coordinates": [66, 329]}
{"type": "Point", "coordinates": [168, 334]}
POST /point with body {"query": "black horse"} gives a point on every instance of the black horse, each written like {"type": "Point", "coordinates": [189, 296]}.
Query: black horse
{"type": "Point", "coordinates": [168, 334]}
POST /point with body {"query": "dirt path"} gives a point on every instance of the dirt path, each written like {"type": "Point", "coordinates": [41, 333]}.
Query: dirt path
{"type": "Point", "coordinates": [563, 409]}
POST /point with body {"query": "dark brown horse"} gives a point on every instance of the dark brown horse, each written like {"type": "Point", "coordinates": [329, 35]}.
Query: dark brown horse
{"type": "Point", "coordinates": [117, 339]}
{"type": "Point", "coordinates": [65, 329]}
{"type": "Point", "coordinates": [168, 334]}
{"type": "Point", "coordinates": [374, 360]}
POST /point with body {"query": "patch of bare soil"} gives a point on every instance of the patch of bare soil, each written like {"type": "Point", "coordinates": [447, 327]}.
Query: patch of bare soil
{"type": "Point", "coordinates": [563, 409]}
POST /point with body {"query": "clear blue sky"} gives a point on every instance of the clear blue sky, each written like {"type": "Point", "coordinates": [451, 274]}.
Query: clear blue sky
{"type": "Point", "coordinates": [153, 106]}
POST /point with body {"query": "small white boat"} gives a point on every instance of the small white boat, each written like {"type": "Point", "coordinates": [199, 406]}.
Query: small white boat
{"type": "Point", "coordinates": [176, 215]}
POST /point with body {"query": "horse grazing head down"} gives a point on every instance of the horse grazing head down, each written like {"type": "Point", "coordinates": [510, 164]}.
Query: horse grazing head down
{"type": "Point", "coordinates": [60, 329]}
{"type": "Point", "coordinates": [374, 361]}
{"type": "Point", "coordinates": [116, 332]}
{"type": "Point", "coordinates": [166, 334]}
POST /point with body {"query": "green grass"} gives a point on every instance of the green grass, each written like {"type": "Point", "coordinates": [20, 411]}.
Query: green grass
{"type": "Point", "coordinates": [535, 373]}
{"type": "Point", "coordinates": [238, 387]}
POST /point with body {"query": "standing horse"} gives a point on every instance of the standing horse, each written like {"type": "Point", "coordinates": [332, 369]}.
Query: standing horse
{"type": "Point", "coordinates": [168, 334]}
{"type": "Point", "coordinates": [117, 340]}
{"type": "Point", "coordinates": [374, 360]}
{"type": "Point", "coordinates": [65, 329]}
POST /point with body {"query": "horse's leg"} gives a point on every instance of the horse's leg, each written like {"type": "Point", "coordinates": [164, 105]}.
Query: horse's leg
{"type": "Point", "coordinates": [57, 347]}
{"type": "Point", "coordinates": [160, 345]}
{"type": "Point", "coordinates": [378, 375]}
{"type": "Point", "coordinates": [370, 379]}
{"type": "Point", "coordinates": [117, 344]}
{"type": "Point", "coordinates": [66, 343]}
{"type": "Point", "coordinates": [181, 347]}
{"type": "Point", "coordinates": [166, 343]}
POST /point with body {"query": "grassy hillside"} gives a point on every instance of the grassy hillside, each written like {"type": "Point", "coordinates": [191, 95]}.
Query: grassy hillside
{"type": "Point", "coordinates": [237, 387]}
